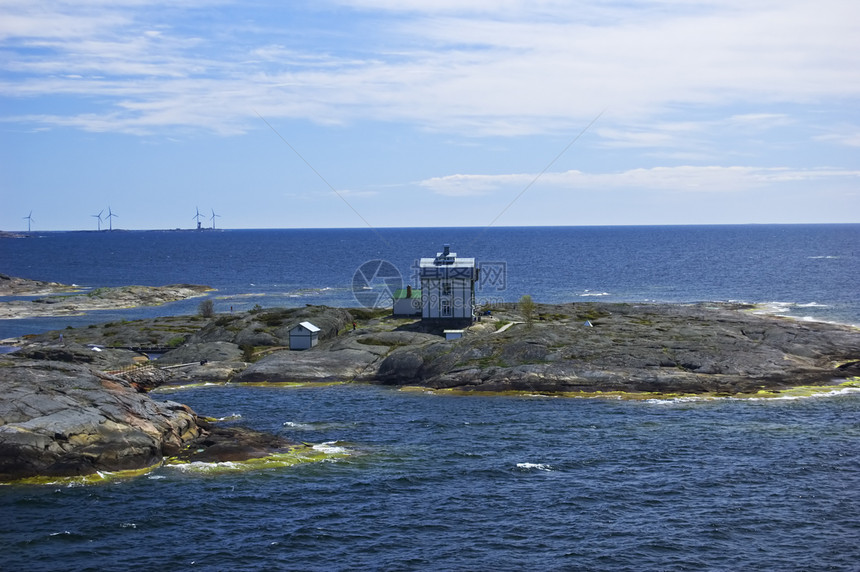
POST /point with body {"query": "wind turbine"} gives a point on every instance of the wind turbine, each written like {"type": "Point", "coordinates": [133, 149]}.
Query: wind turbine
{"type": "Point", "coordinates": [197, 216]}
{"type": "Point", "coordinates": [109, 216]}
{"type": "Point", "coordinates": [29, 218]}
{"type": "Point", "coordinates": [99, 216]}
{"type": "Point", "coordinates": [212, 218]}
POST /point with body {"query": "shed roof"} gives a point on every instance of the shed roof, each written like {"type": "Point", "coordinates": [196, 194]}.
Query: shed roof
{"type": "Point", "coordinates": [308, 326]}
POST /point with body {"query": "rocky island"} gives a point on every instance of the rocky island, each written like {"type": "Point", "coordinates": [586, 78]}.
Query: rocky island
{"type": "Point", "coordinates": [15, 286]}
{"type": "Point", "coordinates": [76, 301]}
{"type": "Point", "coordinates": [66, 408]}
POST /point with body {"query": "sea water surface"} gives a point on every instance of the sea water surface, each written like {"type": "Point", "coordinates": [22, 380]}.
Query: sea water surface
{"type": "Point", "coordinates": [444, 482]}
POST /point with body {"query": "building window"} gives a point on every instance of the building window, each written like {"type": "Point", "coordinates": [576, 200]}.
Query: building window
{"type": "Point", "coordinates": [446, 288]}
{"type": "Point", "coordinates": [446, 309]}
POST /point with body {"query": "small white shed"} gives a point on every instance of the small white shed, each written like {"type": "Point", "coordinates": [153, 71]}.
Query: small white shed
{"type": "Point", "coordinates": [407, 302]}
{"type": "Point", "coordinates": [304, 336]}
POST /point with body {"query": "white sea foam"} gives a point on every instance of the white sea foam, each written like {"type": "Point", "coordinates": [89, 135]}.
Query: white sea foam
{"type": "Point", "coordinates": [534, 466]}
{"type": "Point", "coordinates": [787, 395]}
{"type": "Point", "coordinates": [785, 308]}
{"type": "Point", "coordinates": [298, 426]}
{"type": "Point", "coordinates": [590, 293]}
{"type": "Point", "coordinates": [330, 448]}
{"type": "Point", "coordinates": [836, 392]}
{"type": "Point", "coordinates": [773, 307]}
{"type": "Point", "coordinates": [200, 467]}
{"type": "Point", "coordinates": [301, 292]}
{"type": "Point", "coordinates": [677, 400]}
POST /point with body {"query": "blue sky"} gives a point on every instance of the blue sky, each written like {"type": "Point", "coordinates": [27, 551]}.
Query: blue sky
{"type": "Point", "coordinates": [349, 113]}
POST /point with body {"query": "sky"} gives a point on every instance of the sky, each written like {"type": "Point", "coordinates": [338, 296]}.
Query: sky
{"type": "Point", "coordinates": [420, 113]}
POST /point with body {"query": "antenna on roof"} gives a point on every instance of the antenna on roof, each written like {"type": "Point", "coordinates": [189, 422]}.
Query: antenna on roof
{"type": "Point", "coordinates": [99, 216]}
{"type": "Point", "coordinates": [212, 218]}
{"type": "Point", "coordinates": [109, 216]}
{"type": "Point", "coordinates": [29, 219]}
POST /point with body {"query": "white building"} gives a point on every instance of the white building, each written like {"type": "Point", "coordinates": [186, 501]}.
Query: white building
{"type": "Point", "coordinates": [448, 286]}
{"type": "Point", "coordinates": [304, 336]}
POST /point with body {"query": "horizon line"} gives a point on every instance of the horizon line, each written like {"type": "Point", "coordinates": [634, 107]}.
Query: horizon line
{"type": "Point", "coordinates": [621, 225]}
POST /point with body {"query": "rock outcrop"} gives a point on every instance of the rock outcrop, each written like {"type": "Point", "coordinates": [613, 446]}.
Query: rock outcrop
{"type": "Point", "coordinates": [14, 286]}
{"type": "Point", "coordinates": [99, 299]}
{"type": "Point", "coordinates": [697, 348]}
{"type": "Point", "coordinates": [670, 348]}
{"type": "Point", "coordinates": [99, 358]}
{"type": "Point", "coordinates": [200, 351]}
{"type": "Point", "coordinates": [66, 420]}
{"type": "Point", "coordinates": [352, 357]}
{"type": "Point", "coordinates": [270, 327]}
{"type": "Point", "coordinates": [225, 444]}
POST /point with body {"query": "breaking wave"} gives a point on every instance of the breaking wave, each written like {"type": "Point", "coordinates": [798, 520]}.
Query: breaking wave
{"type": "Point", "coordinates": [534, 467]}
{"type": "Point", "coordinates": [586, 293]}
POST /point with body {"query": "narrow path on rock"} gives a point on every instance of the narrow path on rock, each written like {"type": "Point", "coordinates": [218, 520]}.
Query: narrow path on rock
{"type": "Point", "coordinates": [506, 326]}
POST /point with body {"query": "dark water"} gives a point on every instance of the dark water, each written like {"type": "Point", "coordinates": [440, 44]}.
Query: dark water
{"type": "Point", "coordinates": [473, 483]}
{"type": "Point", "coordinates": [478, 483]}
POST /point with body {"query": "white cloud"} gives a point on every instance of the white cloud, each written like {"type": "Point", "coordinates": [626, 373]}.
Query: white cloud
{"type": "Point", "coordinates": [849, 137]}
{"type": "Point", "coordinates": [711, 179]}
{"type": "Point", "coordinates": [481, 68]}
{"type": "Point", "coordinates": [466, 185]}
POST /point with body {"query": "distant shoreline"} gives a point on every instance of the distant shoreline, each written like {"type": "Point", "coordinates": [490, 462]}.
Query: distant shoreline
{"type": "Point", "coordinates": [32, 233]}
{"type": "Point", "coordinates": [72, 300]}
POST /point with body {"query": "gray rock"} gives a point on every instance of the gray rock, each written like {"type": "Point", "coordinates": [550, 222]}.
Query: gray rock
{"type": "Point", "coordinates": [695, 348]}
{"type": "Point", "coordinates": [197, 352]}
{"type": "Point", "coordinates": [64, 419]}
{"type": "Point", "coordinates": [271, 327]}
{"type": "Point", "coordinates": [208, 372]}
{"type": "Point", "coordinates": [60, 419]}
{"type": "Point", "coordinates": [255, 335]}
{"type": "Point", "coordinates": [344, 359]}
{"type": "Point", "coordinates": [100, 299]}
{"type": "Point", "coordinates": [101, 358]}
{"type": "Point", "coordinates": [289, 366]}
{"type": "Point", "coordinates": [14, 286]}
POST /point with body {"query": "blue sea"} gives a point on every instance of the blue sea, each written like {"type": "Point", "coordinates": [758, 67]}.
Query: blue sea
{"type": "Point", "coordinates": [441, 482]}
